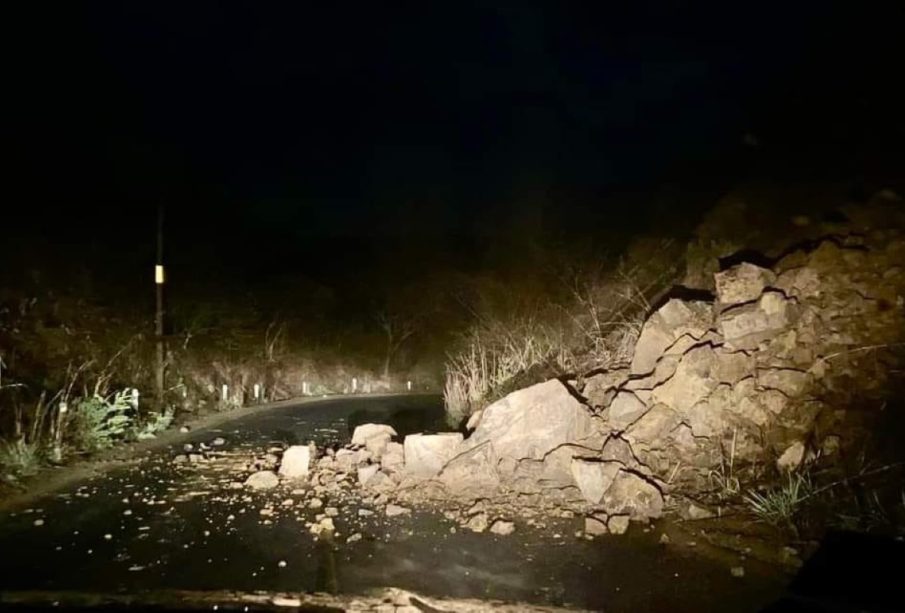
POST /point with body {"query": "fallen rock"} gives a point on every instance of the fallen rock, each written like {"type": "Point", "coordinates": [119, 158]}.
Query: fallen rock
{"type": "Point", "coordinates": [593, 477]}
{"type": "Point", "coordinates": [426, 454]}
{"type": "Point", "coordinates": [618, 524]}
{"type": "Point", "coordinates": [394, 510]}
{"type": "Point", "coordinates": [634, 496]}
{"type": "Point", "coordinates": [675, 319]}
{"type": "Point", "coordinates": [295, 463]}
{"type": "Point", "coordinates": [694, 379]}
{"type": "Point", "coordinates": [477, 523]}
{"type": "Point", "coordinates": [747, 325]}
{"type": "Point", "coordinates": [742, 283]}
{"type": "Point", "coordinates": [380, 481]}
{"type": "Point", "coordinates": [365, 473]}
{"type": "Point", "coordinates": [530, 423]}
{"type": "Point", "coordinates": [600, 389]}
{"type": "Point", "coordinates": [594, 526]}
{"type": "Point", "coordinates": [393, 458]}
{"type": "Point", "coordinates": [345, 459]}
{"type": "Point", "coordinates": [367, 431]}
{"type": "Point", "coordinates": [791, 458]}
{"type": "Point", "coordinates": [263, 480]}
{"type": "Point", "coordinates": [624, 409]}
{"type": "Point", "coordinates": [503, 528]}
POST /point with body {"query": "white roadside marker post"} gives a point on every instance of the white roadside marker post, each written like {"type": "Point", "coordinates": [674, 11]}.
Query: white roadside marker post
{"type": "Point", "coordinates": [354, 384]}
{"type": "Point", "coordinates": [257, 392]}
{"type": "Point", "coordinates": [224, 393]}
{"type": "Point", "coordinates": [408, 385]}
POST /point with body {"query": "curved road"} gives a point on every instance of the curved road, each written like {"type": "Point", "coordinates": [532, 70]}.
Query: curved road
{"type": "Point", "coordinates": [156, 525]}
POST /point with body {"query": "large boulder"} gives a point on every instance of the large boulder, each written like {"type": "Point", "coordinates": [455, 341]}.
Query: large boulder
{"type": "Point", "coordinates": [600, 388]}
{"type": "Point", "coordinates": [530, 423]}
{"type": "Point", "coordinates": [296, 461]}
{"type": "Point", "coordinates": [364, 432]}
{"type": "Point", "coordinates": [475, 469]}
{"type": "Point", "coordinates": [426, 454]}
{"type": "Point", "coordinates": [625, 408]}
{"type": "Point", "coordinates": [747, 325]}
{"type": "Point", "coordinates": [742, 283]}
{"type": "Point", "coordinates": [674, 320]}
{"type": "Point", "coordinates": [633, 495]}
{"type": "Point", "coordinates": [594, 477]}
{"type": "Point", "coordinates": [694, 379]}
{"type": "Point", "coordinates": [393, 458]}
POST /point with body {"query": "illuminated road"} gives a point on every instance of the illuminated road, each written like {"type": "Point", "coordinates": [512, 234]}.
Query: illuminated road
{"type": "Point", "coordinates": [155, 525]}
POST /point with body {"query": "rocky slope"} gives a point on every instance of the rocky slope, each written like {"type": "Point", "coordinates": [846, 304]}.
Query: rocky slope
{"type": "Point", "coordinates": [786, 362]}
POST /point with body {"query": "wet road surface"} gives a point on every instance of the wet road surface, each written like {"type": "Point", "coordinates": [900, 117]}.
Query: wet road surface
{"type": "Point", "coordinates": [155, 525]}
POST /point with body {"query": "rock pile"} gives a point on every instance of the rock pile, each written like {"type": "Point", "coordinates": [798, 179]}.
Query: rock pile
{"type": "Point", "coordinates": [764, 373]}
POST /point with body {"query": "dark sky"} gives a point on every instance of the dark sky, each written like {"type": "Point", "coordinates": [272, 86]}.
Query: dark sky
{"type": "Point", "coordinates": [273, 130]}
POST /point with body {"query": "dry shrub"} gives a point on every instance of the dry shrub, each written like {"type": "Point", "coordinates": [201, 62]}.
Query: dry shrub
{"type": "Point", "coordinates": [596, 325]}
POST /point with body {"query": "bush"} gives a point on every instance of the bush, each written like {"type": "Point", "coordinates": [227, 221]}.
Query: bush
{"type": "Point", "coordinates": [101, 421]}
{"type": "Point", "coordinates": [780, 504]}
{"type": "Point", "coordinates": [158, 422]}
{"type": "Point", "coordinates": [19, 458]}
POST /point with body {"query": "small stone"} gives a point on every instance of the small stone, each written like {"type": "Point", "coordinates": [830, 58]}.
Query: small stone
{"type": "Point", "coordinates": [331, 511]}
{"type": "Point", "coordinates": [503, 528]}
{"type": "Point", "coordinates": [392, 510]}
{"type": "Point", "coordinates": [791, 458]}
{"type": "Point", "coordinates": [594, 526]}
{"type": "Point", "coordinates": [738, 571]}
{"type": "Point", "coordinates": [365, 512]}
{"type": "Point", "coordinates": [218, 442]}
{"type": "Point", "coordinates": [39, 522]}
{"type": "Point", "coordinates": [315, 503]}
{"type": "Point", "coordinates": [262, 480]}
{"type": "Point", "coordinates": [184, 429]}
{"type": "Point", "coordinates": [188, 447]}
{"type": "Point", "coordinates": [664, 539]}
{"type": "Point", "coordinates": [618, 524]}
{"type": "Point", "coordinates": [108, 537]}
{"type": "Point", "coordinates": [282, 564]}
{"type": "Point", "coordinates": [354, 538]}
{"type": "Point", "coordinates": [477, 523]}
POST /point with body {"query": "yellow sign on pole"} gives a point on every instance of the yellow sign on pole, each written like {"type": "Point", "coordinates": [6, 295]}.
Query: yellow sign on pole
{"type": "Point", "coordinates": [158, 274]}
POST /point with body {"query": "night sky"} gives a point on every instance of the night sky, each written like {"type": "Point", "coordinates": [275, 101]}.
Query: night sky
{"type": "Point", "coordinates": [319, 138]}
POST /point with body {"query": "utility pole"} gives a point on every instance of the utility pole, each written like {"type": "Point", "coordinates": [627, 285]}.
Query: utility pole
{"type": "Point", "coordinates": [158, 319]}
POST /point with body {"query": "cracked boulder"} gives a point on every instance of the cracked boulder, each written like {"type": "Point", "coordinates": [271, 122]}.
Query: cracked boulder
{"type": "Point", "coordinates": [625, 408]}
{"type": "Point", "coordinates": [674, 320]}
{"type": "Point", "coordinates": [426, 454]}
{"type": "Point", "coordinates": [695, 378]}
{"type": "Point", "coordinates": [600, 389]}
{"type": "Point", "coordinates": [634, 496]}
{"type": "Point", "coordinates": [742, 283]}
{"type": "Point", "coordinates": [594, 477]}
{"type": "Point", "coordinates": [532, 422]}
{"type": "Point", "coordinates": [747, 325]}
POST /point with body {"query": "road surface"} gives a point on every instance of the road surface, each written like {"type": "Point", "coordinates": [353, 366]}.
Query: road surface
{"type": "Point", "coordinates": [155, 525]}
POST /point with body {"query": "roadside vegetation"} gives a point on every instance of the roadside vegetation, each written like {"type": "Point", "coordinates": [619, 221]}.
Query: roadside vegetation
{"type": "Point", "coordinates": [77, 363]}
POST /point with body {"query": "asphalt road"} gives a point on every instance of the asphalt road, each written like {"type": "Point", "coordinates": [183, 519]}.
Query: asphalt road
{"type": "Point", "coordinates": [156, 525]}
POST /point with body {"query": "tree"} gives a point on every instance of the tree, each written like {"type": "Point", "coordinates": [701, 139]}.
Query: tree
{"type": "Point", "coordinates": [398, 327]}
